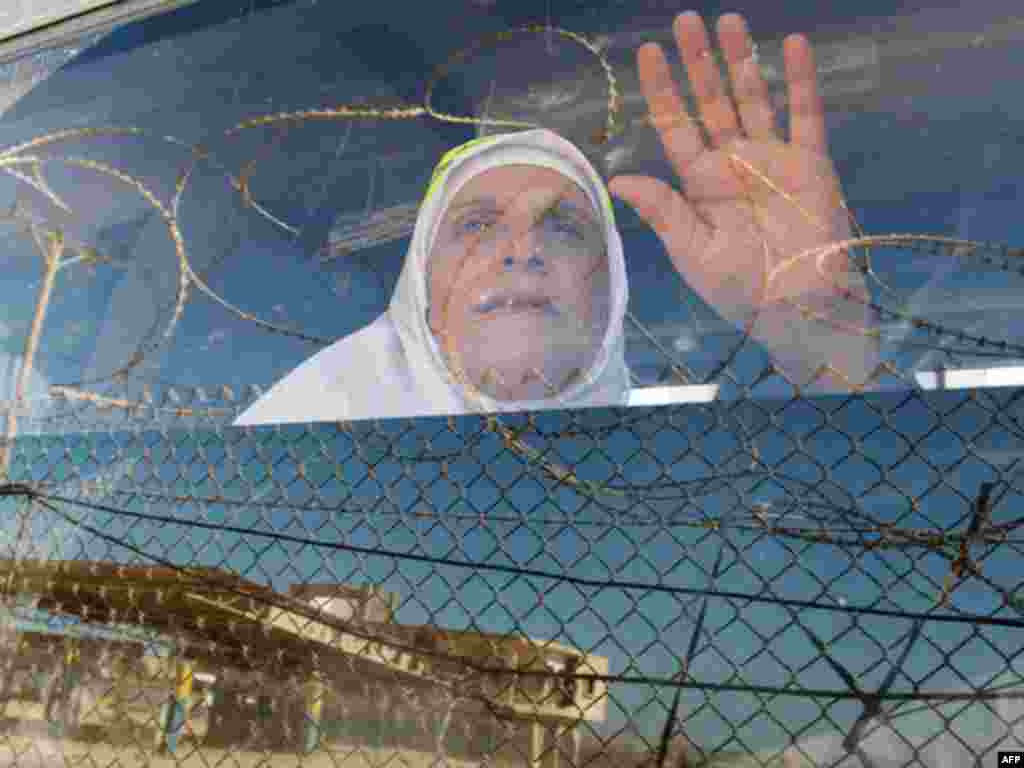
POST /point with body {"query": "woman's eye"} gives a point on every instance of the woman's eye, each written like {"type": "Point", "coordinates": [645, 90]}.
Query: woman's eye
{"type": "Point", "coordinates": [565, 225]}
{"type": "Point", "coordinates": [473, 225]}
{"type": "Point", "coordinates": [554, 221]}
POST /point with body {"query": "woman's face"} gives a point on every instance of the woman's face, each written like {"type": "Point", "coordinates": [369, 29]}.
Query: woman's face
{"type": "Point", "coordinates": [519, 282]}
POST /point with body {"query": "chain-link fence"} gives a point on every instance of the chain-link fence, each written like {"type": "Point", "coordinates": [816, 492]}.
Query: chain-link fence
{"type": "Point", "coordinates": [795, 581]}
{"type": "Point", "coordinates": [762, 575]}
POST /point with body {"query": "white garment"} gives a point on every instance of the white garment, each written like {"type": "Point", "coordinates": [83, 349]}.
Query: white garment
{"type": "Point", "coordinates": [394, 368]}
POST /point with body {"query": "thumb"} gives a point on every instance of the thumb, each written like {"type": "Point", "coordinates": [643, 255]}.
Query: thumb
{"type": "Point", "coordinates": [667, 212]}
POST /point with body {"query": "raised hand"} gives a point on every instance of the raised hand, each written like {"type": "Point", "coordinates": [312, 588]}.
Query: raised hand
{"type": "Point", "coordinates": [750, 200]}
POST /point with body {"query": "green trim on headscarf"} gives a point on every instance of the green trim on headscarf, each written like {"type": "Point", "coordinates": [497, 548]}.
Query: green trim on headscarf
{"type": "Point", "coordinates": [452, 154]}
{"type": "Point", "coordinates": [448, 157]}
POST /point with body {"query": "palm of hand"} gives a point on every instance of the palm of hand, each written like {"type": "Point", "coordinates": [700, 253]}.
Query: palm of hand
{"type": "Point", "coordinates": [756, 204]}
{"type": "Point", "coordinates": [750, 201]}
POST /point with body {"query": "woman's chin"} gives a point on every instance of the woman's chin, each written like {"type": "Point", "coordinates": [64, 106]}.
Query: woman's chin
{"type": "Point", "coordinates": [522, 379]}
{"type": "Point", "coordinates": [524, 361]}
{"type": "Point", "coordinates": [516, 393]}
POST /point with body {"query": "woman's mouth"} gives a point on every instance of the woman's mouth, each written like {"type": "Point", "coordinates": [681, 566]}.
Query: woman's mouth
{"type": "Point", "coordinates": [516, 304]}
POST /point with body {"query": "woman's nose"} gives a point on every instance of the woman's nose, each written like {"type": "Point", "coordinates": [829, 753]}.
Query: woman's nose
{"type": "Point", "coordinates": [534, 262]}
{"type": "Point", "coordinates": [526, 249]}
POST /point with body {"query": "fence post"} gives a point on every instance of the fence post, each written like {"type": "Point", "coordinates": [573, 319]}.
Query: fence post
{"type": "Point", "coordinates": [315, 690]}
{"type": "Point", "coordinates": [174, 713]}
{"type": "Point", "coordinates": [562, 731]}
{"type": "Point", "coordinates": [63, 691]}
{"type": "Point", "coordinates": [536, 743]}
{"type": "Point", "coordinates": [554, 760]}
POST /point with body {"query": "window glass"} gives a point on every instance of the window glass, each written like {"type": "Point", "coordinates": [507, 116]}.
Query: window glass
{"type": "Point", "coordinates": [249, 217]}
{"type": "Point", "coordinates": [271, 268]}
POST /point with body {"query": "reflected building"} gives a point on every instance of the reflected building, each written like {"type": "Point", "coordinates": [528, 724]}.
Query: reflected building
{"type": "Point", "coordinates": [323, 667]}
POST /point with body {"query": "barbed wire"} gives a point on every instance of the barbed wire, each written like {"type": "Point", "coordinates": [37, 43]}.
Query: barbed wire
{"type": "Point", "coordinates": [889, 535]}
{"type": "Point", "coordinates": [514, 570]}
{"type": "Point", "coordinates": [850, 527]}
{"type": "Point", "coordinates": [929, 244]}
{"type": "Point", "coordinates": [318, 617]}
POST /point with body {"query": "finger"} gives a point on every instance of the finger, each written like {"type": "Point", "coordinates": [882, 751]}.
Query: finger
{"type": "Point", "coordinates": [683, 233]}
{"type": "Point", "coordinates": [806, 108]}
{"type": "Point", "coordinates": [749, 87]}
{"type": "Point", "coordinates": [678, 132]}
{"type": "Point", "coordinates": [713, 101]}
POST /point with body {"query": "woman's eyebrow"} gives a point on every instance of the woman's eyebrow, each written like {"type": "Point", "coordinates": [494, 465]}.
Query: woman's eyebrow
{"type": "Point", "coordinates": [491, 203]}
{"type": "Point", "coordinates": [583, 213]}
{"type": "Point", "coordinates": [478, 202]}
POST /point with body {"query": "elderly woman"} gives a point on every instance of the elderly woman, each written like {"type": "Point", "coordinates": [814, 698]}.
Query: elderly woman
{"type": "Point", "coordinates": [513, 292]}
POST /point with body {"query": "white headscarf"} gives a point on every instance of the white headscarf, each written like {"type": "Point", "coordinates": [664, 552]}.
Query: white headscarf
{"type": "Point", "coordinates": [395, 368]}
